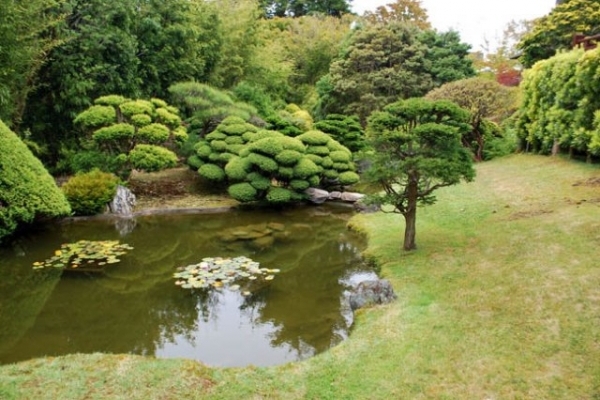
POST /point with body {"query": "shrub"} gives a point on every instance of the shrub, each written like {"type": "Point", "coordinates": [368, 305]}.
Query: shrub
{"type": "Point", "coordinates": [318, 150]}
{"type": "Point", "coordinates": [237, 169]}
{"type": "Point", "coordinates": [279, 195]}
{"type": "Point", "coordinates": [153, 133]}
{"type": "Point", "coordinates": [97, 116]}
{"type": "Point", "coordinates": [212, 172]}
{"type": "Point", "coordinates": [140, 120]}
{"type": "Point", "coordinates": [259, 182]}
{"type": "Point", "coordinates": [114, 133]}
{"type": "Point", "coordinates": [348, 178]}
{"type": "Point", "coordinates": [202, 149]}
{"type": "Point", "coordinates": [243, 192]}
{"type": "Point", "coordinates": [168, 118]}
{"type": "Point", "coordinates": [151, 158]}
{"type": "Point", "coordinates": [195, 162]}
{"type": "Point", "coordinates": [132, 107]}
{"type": "Point", "coordinates": [299, 184]}
{"type": "Point", "coordinates": [305, 168]}
{"type": "Point", "coordinates": [85, 161]}
{"type": "Point", "coordinates": [266, 164]}
{"type": "Point", "coordinates": [110, 100]}
{"type": "Point", "coordinates": [288, 157]}
{"type": "Point", "coordinates": [270, 146]}
{"type": "Point", "coordinates": [27, 189]}
{"type": "Point", "coordinates": [159, 103]}
{"type": "Point", "coordinates": [314, 138]}
{"type": "Point", "coordinates": [344, 129]}
{"type": "Point", "coordinates": [340, 156]}
{"type": "Point", "coordinates": [88, 193]}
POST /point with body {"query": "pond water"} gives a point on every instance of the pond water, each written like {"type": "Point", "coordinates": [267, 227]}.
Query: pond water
{"type": "Point", "coordinates": [135, 307]}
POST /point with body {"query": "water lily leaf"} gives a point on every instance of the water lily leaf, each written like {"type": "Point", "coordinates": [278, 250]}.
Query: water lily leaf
{"type": "Point", "coordinates": [234, 287]}
{"type": "Point", "coordinates": [269, 278]}
{"type": "Point", "coordinates": [246, 293]}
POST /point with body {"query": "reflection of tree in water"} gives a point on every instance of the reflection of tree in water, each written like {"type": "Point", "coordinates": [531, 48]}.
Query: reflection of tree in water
{"type": "Point", "coordinates": [304, 321]}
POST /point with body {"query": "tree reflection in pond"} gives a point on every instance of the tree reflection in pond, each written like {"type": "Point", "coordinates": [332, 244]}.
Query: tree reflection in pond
{"type": "Point", "coordinates": [136, 308]}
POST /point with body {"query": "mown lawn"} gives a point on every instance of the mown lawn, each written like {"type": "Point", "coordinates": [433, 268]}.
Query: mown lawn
{"type": "Point", "coordinates": [500, 301]}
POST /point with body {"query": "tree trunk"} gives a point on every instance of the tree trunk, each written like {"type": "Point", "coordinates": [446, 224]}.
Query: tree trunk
{"type": "Point", "coordinates": [410, 217]}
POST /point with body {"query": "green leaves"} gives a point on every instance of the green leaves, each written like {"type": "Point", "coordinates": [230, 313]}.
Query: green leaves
{"type": "Point", "coordinates": [214, 273]}
{"type": "Point", "coordinates": [85, 255]}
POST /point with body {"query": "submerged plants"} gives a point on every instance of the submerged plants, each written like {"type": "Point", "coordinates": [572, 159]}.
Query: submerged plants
{"type": "Point", "coordinates": [218, 272]}
{"type": "Point", "coordinates": [85, 254]}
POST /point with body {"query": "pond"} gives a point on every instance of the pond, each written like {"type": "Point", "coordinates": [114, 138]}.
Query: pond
{"type": "Point", "coordinates": [135, 307]}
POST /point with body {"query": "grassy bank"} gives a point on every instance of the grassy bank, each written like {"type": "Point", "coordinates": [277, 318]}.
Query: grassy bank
{"type": "Point", "coordinates": [500, 301]}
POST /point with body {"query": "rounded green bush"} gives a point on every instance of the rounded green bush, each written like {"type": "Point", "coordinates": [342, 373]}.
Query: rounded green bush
{"type": "Point", "coordinates": [340, 156]}
{"type": "Point", "coordinates": [318, 150]}
{"type": "Point", "coordinates": [244, 152]}
{"type": "Point", "coordinates": [277, 195]}
{"type": "Point", "coordinates": [348, 178]}
{"type": "Point", "coordinates": [243, 192]}
{"type": "Point", "coordinates": [314, 138]}
{"type": "Point", "coordinates": [331, 174]}
{"type": "Point", "coordinates": [212, 172]}
{"type": "Point", "coordinates": [237, 168]}
{"type": "Point", "coordinates": [327, 162]}
{"type": "Point", "coordinates": [153, 133]}
{"type": "Point", "coordinates": [290, 143]}
{"type": "Point", "coordinates": [255, 136]}
{"type": "Point", "coordinates": [341, 166]}
{"type": "Point", "coordinates": [194, 162]}
{"type": "Point", "coordinates": [218, 145]}
{"type": "Point", "coordinates": [237, 129]}
{"type": "Point", "coordinates": [234, 148]}
{"type": "Point", "coordinates": [270, 146]}
{"type": "Point", "coordinates": [214, 157]}
{"type": "Point", "coordinates": [111, 100]}
{"type": "Point", "coordinates": [151, 158]}
{"type": "Point", "coordinates": [215, 135]}
{"type": "Point", "coordinates": [315, 158]}
{"type": "Point", "coordinates": [234, 140]}
{"type": "Point", "coordinates": [96, 116]}
{"type": "Point", "coordinates": [114, 133]}
{"type": "Point", "coordinates": [232, 120]}
{"type": "Point", "coordinates": [259, 182]}
{"type": "Point", "coordinates": [164, 116]}
{"type": "Point", "coordinates": [158, 103]}
{"type": "Point", "coordinates": [203, 150]}
{"type": "Point", "coordinates": [288, 157]}
{"type": "Point", "coordinates": [225, 157]}
{"type": "Point", "coordinates": [133, 107]}
{"type": "Point", "coordinates": [285, 173]}
{"type": "Point", "coordinates": [140, 120]}
{"type": "Point", "coordinates": [334, 145]}
{"type": "Point", "coordinates": [89, 193]}
{"type": "Point", "coordinates": [299, 184]}
{"type": "Point", "coordinates": [305, 168]}
{"type": "Point", "coordinates": [180, 135]}
{"type": "Point", "coordinates": [264, 163]}
{"type": "Point", "coordinates": [26, 188]}
{"type": "Point", "coordinates": [314, 180]}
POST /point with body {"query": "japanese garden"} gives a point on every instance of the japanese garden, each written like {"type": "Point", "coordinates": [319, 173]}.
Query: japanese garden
{"type": "Point", "coordinates": [285, 199]}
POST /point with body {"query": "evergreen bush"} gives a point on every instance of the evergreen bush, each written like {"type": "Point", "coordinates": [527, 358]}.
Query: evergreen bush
{"type": "Point", "coordinates": [88, 193]}
{"type": "Point", "coordinates": [149, 158]}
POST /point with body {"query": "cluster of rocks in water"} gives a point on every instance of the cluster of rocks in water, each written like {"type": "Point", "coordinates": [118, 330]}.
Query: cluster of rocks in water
{"type": "Point", "coordinates": [258, 236]}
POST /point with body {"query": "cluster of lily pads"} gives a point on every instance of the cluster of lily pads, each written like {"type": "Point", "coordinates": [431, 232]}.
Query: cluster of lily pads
{"type": "Point", "coordinates": [218, 272]}
{"type": "Point", "coordinates": [85, 253]}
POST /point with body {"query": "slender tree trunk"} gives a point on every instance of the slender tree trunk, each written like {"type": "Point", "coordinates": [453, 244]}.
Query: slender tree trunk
{"type": "Point", "coordinates": [410, 218]}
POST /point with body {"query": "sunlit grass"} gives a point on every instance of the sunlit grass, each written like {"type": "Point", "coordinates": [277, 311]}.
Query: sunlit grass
{"type": "Point", "coordinates": [500, 301]}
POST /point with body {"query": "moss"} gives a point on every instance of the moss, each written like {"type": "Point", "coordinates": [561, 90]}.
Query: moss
{"type": "Point", "coordinates": [212, 172]}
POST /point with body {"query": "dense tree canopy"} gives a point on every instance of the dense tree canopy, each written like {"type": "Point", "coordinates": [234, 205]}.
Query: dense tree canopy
{"type": "Point", "coordinates": [409, 11]}
{"type": "Point", "coordinates": [555, 31]}
{"type": "Point", "coordinates": [298, 8]}
{"type": "Point", "coordinates": [416, 150]}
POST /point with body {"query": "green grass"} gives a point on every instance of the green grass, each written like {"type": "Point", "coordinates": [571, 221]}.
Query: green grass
{"type": "Point", "coordinates": [500, 301]}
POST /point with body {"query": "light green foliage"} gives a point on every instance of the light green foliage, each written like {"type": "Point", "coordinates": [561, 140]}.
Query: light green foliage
{"type": "Point", "coordinates": [146, 157]}
{"type": "Point", "coordinates": [306, 168]}
{"type": "Point", "coordinates": [318, 150]}
{"type": "Point", "coordinates": [348, 178]}
{"type": "Point", "coordinates": [278, 195]}
{"type": "Point", "coordinates": [299, 184]}
{"type": "Point", "coordinates": [487, 101]}
{"type": "Point", "coordinates": [264, 163]}
{"type": "Point", "coordinates": [288, 157]}
{"type": "Point", "coordinates": [160, 103]}
{"type": "Point", "coordinates": [153, 133]}
{"type": "Point", "coordinates": [270, 146]}
{"type": "Point", "coordinates": [554, 32]}
{"type": "Point", "coordinates": [85, 254]}
{"type": "Point", "coordinates": [259, 182]}
{"type": "Point", "coordinates": [89, 193]}
{"type": "Point", "coordinates": [27, 190]}
{"type": "Point", "coordinates": [339, 156]}
{"type": "Point", "coordinates": [416, 150]}
{"type": "Point", "coordinates": [137, 123]}
{"type": "Point", "coordinates": [560, 102]}
{"type": "Point", "coordinates": [212, 172]}
{"type": "Point", "coordinates": [315, 138]}
{"type": "Point", "coordinates": [243, 192]}
{"type": "Point", "coordinates": [97, 116]}
{"type": "Point", "coordinates": [194, 162]}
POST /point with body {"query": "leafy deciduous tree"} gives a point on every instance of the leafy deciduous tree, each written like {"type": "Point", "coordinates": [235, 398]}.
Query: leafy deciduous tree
{"type": "Point", "coordinates": [417, 149]}
{"type": "Point", "coordinates": [410, 11]}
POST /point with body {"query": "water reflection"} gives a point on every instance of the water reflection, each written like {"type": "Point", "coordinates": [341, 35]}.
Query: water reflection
{"type": "Point", "coordinates": [136, 308]}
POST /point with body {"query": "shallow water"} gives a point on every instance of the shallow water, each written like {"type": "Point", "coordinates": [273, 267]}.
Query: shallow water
{"type": "Point", "coordinates": [136, 308]}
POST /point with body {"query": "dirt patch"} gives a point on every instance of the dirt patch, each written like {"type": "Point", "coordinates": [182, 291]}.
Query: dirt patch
{"type": "Point", "coordinates": [528, 214]}
{"type": "Point", "coordinates": [593, 182]}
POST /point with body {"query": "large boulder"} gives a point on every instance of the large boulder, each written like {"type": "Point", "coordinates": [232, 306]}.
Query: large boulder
{"type": "Point", "coordinates": [369, 293]}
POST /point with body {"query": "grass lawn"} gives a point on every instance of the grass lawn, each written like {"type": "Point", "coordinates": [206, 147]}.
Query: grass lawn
{"type": "Point", "coordinates": [500, 301]}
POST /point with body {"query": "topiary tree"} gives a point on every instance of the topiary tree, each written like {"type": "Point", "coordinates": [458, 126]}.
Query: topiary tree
{"type": "Point", "coordinates": [417, 149]}
{"type": "Point", "coordinates": [89, 193]}
{"type": "Point", "coordinates": [27, 191]}
{"type": "Point", "coordinates": [140, 134]}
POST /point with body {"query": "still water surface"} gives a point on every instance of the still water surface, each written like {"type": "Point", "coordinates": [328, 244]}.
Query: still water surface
{"type": "Point", "coordinates": [136, 308]}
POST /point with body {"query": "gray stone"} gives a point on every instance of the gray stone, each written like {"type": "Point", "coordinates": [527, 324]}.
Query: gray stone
{"type": "Point", "coordinates": [351, 197]}
{"type": "Point", "coordinates": [317, 196]}
{"type": "Point", "coordinates": [123, 202]}
{"type": "Point", "coordinates": [335, 195]}
{"type": "Point", "coordinates": [369, 293]}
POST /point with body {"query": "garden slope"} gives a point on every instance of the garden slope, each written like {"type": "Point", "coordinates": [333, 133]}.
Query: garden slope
{"type": "Point", "coordinates": [501, 300]}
